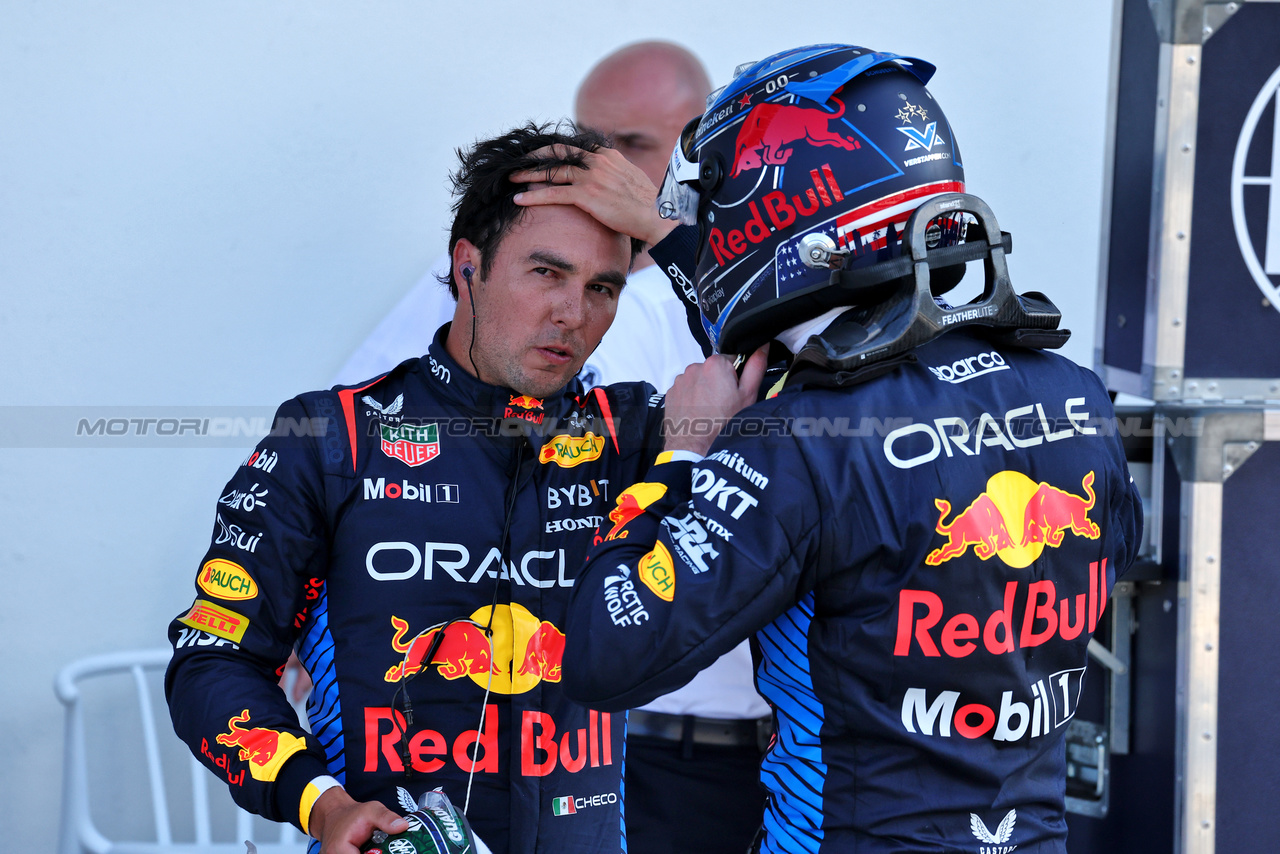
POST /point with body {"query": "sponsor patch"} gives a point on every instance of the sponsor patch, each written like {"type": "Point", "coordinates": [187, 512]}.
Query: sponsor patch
{"type": "Point", "coordinates": [411, 445]}
{"type": "Point", "coordinates": [658, 572]}
{"type": "Point", "coordinates": [264, 749]}
{"type": "Point", "coordinates": [226, 580]}
{"type": "Point", "coordinates": [216, 620]}
{"type": "Point", "coordinates": [569, 451]}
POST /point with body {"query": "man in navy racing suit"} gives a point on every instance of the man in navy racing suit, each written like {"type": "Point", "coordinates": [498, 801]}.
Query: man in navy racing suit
{"type": "Point", "coordinates": [417, 536]}
{"type": "Point", "coordinates": [919, 529]}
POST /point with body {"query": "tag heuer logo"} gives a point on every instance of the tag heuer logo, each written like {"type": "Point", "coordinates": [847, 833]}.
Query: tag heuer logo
{"type": "Point", "coordinates": [411, 445]}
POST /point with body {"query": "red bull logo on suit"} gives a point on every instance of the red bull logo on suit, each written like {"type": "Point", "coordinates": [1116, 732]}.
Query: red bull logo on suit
{"type": "Point", "coordinates": [264, 749]}
{"type": "Point", "coordinates": [517, 653]}
{"type": "Point", "coordinates": [1015, 518]}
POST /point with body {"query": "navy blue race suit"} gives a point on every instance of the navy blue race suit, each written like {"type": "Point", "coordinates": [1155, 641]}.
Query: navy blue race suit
{"type": "Point", "coordinates": [922, 559]}
{"type": "Point", "coordinates": [371, 515]}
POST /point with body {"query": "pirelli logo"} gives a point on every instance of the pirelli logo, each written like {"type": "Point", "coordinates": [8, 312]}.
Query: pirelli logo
{"type": "Point", "coordinates": [216, 620]}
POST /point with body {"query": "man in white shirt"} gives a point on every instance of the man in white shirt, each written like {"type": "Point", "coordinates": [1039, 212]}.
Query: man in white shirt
{"type": "Point", "coordinates": [692, 755]}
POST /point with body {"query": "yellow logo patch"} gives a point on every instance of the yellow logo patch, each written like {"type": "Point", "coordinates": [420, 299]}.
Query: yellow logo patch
{"type": "Point", "coordinates": [226, 580]}
{"type": "Point", "coordinates": [658, 572]}
{"type": "Point", "coordinates": [216, 620]}
{"type": "Point", "coordinates": [264, 749]}
{"type": "Point", "coordinates": [569, 451]}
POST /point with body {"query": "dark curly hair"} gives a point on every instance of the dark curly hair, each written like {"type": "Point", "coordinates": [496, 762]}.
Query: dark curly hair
{"type": "Point", "coordinates": [483, 210]}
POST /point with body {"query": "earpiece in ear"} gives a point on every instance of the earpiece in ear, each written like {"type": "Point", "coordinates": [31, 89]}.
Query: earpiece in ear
{"type": "Point", "coordinates": [467, 272]}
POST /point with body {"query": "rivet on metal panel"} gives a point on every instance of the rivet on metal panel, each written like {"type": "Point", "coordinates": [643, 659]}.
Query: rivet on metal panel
{"type": "Point", "coordinates": [1205, 824]}
{"type": "Point", "coordinates": [1177, 321]}
{"type": "Point", "coordinates": [1173, 375]}
{"type": "Point", "coordinates": [1227, 469]}
{"type": "Point", "coordinates": [1181, 235]}
{"type": "Point", "coordinates": [1210, 559]}
{"type": "Point", "coordinates": [1186, 146]}
{"type": "Point", "coordinates": [1208, 647]}
{"type": "Point", "coordinates": [1213, 386]}
{"type": "Point", "coordinates": [1168, 606]}
{"type": "Point", "coordinates": [1208, 31]}
{"type": "Point", "coordinates": [1207, 736]}
{"type": "Point", "coordinates": [1191, 386]}
{"type": "Point", "coordinates": [1252, 446]}
{"type": "Point", "coordinates": [1232, 8]}
{"type": "Point", "coordinates": [1191, 60]}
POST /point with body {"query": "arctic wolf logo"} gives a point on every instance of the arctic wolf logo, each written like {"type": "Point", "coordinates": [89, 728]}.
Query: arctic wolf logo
{"type": "Point", "coordinates": [1003, 831]}
{"type": "Point", "coordinates": [766, 135]}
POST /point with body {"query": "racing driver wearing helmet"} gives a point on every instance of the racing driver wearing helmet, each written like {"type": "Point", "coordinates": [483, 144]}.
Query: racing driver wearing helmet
{"type": "Point", "coordinates": [919, 525]}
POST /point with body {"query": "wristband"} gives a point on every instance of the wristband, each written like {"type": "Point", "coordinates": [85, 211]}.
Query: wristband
{"type": "Point", "coordinates": [678, 457]}
{"type": "Point", "coordinates": [310, 795]}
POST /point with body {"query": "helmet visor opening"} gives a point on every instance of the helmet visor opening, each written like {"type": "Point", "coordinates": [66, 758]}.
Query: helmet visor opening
{"type": "Point", "coordinates": [679, 195]}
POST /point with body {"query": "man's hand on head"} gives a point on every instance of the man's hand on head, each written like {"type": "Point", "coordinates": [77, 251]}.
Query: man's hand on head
{"type": "Point", "coordinates": [342, 824]}
{"type": "Point", "coordinates": [607, 186]}
{"type": "Point", "coordinates": [708, 394]}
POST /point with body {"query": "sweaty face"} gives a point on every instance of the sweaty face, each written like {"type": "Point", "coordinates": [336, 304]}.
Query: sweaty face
{"type": "Point", "coordinates": [546, 301]}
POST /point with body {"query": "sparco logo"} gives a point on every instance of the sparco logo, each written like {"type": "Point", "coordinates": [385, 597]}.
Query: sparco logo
{"type": "Point", "coordinates": [963, 370]}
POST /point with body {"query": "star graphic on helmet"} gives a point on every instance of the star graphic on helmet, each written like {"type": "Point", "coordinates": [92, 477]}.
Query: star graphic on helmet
{"type": "Point", "coordinates": [911, 110]}
{"type": "Point", "coordinates": [745, 100]}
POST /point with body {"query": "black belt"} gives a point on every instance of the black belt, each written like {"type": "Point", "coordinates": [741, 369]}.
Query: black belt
{"type": "Point", "coordinates": [689, 729]}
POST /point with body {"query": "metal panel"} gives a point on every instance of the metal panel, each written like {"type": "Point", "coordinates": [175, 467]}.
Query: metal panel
{"type": "Point", "coordinates": [1196, 118]}
{"type": "Point", "coordinates": [1170, 250]}
{"type": "Point", "coordinates": [1248, 678]}
{"type": "Point", "coordinates": [1235, 253]}
{"type": "Point", "coordinates": [1127, 198]}
{"type": "Point", "coordinates": [1199, 593]}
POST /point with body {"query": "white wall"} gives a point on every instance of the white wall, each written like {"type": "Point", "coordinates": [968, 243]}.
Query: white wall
{"type": "Point", "coordinates": [209, 204]}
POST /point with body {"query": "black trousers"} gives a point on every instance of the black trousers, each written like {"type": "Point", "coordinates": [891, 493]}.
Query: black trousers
{"type": "Point", "coordinates": [712, 803]}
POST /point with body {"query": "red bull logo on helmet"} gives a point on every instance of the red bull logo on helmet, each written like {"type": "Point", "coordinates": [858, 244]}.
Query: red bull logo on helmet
{"type": "Point", "coordinates": [264, 749]}
{"type": "Point", "coordinates": [781, 213]}
{"type": "Point", "coordinates": [770, 132]}
{"type": "Point", "coordinates": [1015, 518]}
{"type": "Point", "coordinates": [518, 652]}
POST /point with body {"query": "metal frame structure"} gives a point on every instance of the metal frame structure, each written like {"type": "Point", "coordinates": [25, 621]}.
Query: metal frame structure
{"type": "Point", "coordinates": [1206, 426]}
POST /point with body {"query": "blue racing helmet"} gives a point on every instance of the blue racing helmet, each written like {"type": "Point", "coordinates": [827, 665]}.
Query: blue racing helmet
{"type": "Point", "coordinates": [808, 161]}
